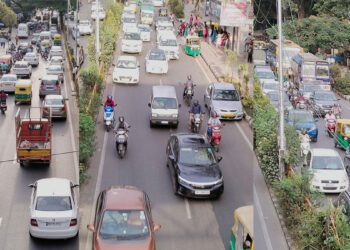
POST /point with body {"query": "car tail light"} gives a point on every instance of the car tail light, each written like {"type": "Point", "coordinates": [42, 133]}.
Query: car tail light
{"type": "Point", "coordinates": [63, 108]}
{"type": "Point", "coordinates": [42, 85]}
{"type": "Point", "coordinates": [73, 222]}
{"type": "Point", "coordinates": [33, 222]}
{"type": "Point", "coordinates": [46, 109]}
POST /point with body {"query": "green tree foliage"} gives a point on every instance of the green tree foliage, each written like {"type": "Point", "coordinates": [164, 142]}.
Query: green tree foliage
{"type": "Point", "coordinates": [316, 32]}
{"type": "Point", "coordinates": [7, 15]}
{"type": "Point", "coordinates": [177, 7]}
{"type": "Point", "coordinates": [336, 8]}
{"type": "Point", "coordinates": [86, 133]}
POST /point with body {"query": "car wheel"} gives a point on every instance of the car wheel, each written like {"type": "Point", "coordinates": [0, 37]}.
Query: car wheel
{"type": "Point", "coordinates": [315, 139]}
{"type": "Point", "coordinates": [151, 125]}
{"type": "Point", "coordinates": [176, 125]}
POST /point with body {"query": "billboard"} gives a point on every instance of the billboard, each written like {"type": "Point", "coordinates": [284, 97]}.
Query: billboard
{"type": "Point", "coordinates": [235, 13]}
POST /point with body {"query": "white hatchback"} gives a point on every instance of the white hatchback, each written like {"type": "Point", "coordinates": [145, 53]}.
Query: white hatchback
{"type": "Point", "coordinates": [57, 60]}
{"type": "Point", "coordinates": [131, 42]}
{"type": "Point", "coordinates": [169, 44]}
{"type": "Point", "coordinates": [85, 27]}
{"type": "Point", "coordinates": [8, 82]}
{"type": "Point", "coordinates": [157, 62]}
{"type": "Point", "coordinates": [56, 51]}
{"type": "Point", "coordinates": [32, 58]}
{"type": "Point", "coordinates": [327, 167]}
{"type": "Point", "coordinates": [129, 21]}
{"type": "Point", "coordinates": [145, 32]}
{"type": "Point", "coordinates": [54, 212]}
{"type": "Point", "coordinates": [126, 70]}
{"type": "Point", "coordinates": [101, 14]}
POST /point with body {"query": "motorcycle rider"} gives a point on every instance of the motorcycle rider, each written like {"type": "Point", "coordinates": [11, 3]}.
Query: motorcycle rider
{"type": "Point", "coordinates": [188, 84]}
{"type": "Point", "coordinates": [109, 102]}
{"type": "Point", "coordinates": [213, 121]}
{"type": "Point", "coordinates": [328, 117]}
{"type": "Point", "coordinates": [3, 97]}
{"type": "Point", "coordinates": [122, 124]}
{"type": "Point", "coordinates": [195, 109]}
{"type": "Point", "coordinates": [336, 109]}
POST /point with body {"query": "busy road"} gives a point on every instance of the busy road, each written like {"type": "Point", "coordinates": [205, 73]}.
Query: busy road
{"type": "Point", "coordinates": [14, 180]}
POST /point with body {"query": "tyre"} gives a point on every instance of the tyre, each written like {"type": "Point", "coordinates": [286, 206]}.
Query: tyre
{"type": "Point", "coordinates": [21, 163]}
{"type": "Point", "coordinates": [151, 125]}
{"type": "Point", "coordinates": [108, 128]}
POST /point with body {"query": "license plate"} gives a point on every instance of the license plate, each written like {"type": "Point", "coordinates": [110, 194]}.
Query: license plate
{"type": "Point", "coordinates": [202, 192]}
{"type": "Point", "coordinates": [164, 122]}
{"type": "Point", "coordinates": [228, 115]}
{"type": "Point", "coordinates": [53, 223]}
{"type": "Point", "coordinates": [329, 185]}
{"type": "Point", "coordinates": [8, 84]}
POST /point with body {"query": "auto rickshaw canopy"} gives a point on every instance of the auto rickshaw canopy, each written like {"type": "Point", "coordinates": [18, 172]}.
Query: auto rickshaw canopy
{"type": "Point", "coordinates": [193, 40]}
{"type": "Point", "coordinates": [23, 85]}
{"type": "Point", "coordinates": [343, 127]}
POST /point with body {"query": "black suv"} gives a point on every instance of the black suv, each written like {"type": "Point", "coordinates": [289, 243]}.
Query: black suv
{"type": "Point", "coordinates": [193, 166]}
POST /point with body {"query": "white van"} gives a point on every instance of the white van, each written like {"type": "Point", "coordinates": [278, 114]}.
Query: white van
{"type": "Point", "coordinates": [22, 31]}
{"type": "Point", "coordinates": [164, 106]}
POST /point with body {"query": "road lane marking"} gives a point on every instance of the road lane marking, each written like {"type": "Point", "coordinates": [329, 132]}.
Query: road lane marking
{"type": "Point", "coordinates": [203, 70]}
{"type": "Point", "coordinates": [0, 221]}
{"type": "Point", "coordinates": [188, 209]}
{"type": "Point", "coordinates": [15, 158]}
{"type": "Point", "coordinates": [262, 221]}
{"type": "Point", "coordinates": [245, 137]}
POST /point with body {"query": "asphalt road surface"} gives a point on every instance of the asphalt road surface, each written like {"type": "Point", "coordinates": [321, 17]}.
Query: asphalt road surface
{"type": "Point", "coordinates": [14, 180]}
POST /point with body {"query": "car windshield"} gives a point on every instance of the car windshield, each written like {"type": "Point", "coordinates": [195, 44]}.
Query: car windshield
{"type": "Point", "coordinates": [301, 117]}
{"type": "Point", "coordinates": [168, 42]}
{"type": "Point", "coordinates": [164, 103]}
{"type": "Point", "coordinates": [84, 23]}
{"type": "Point", "coordinates": [144, 29]}
{"type": "Point", "coordinates": [327, 163]}
{"type": "Point", "coordinates": [158, 56]}
{"type": "Point", "coordinates": [226, 95]}
{"type": "Point", "coordinates": [265, 75]}
{"type": "Point", "coordinates": [132, 36]}
{"type": "Point", "coordinates": [322, 70]}
{"type": "Point", "coordinates": [126, 64]}
{"type": "Point", "coordinates": [200, 156]}
{"type": "Point", "coordinates": [325, 96]}
{"type": "Point", "coordinates": [21, 66]}
{"type": "Point", "coordinates": [129, 20]}
{"type": "Point", "coordinates": [55, 101]}
{"type": "Point", "coordinates": [30, 55]}
{"type": "Point", "coordinates": [54, 68]}
{"type": "Point", "coordinates": [124, 225]}
{"type": "Point", "coordinates": [53, 203]}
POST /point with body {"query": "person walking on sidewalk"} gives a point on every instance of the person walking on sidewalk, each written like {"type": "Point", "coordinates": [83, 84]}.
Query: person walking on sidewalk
{"type": "Point", "coordinates": [16, 40]}
{"type": "Point", "coordinates": [211, 26]}
{"type": "Point", "coordinates": [197, 20]}
{"type": "Point", "coordinates": [205, 32]}
{"type": "Point", "coordinates": [214, 34]}
{"type": "Point", "coordinates": [191, 20]}
{"type": "Point", "coordinates": [248, 41]}
{"type": "Point", "coordinates": [250, 53]}
{"type": "Point", "coordinates": [219, 40]}
{"type": "Point", "coordinates": [2, 42]}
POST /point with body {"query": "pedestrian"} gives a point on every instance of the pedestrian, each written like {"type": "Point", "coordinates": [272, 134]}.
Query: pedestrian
{"type": "Point", "coordinates": [74, 72]}
{"type": "Point", "coordinates": [214, 34]}
{"type": "Point", "coordinates": [219, 40]}
{"type": "Point", "coordinates": [191, 20]}
{"type": "Point", "coordinates": [2, 42]}
{"type": "Point", "coordinates": [186, 30]}
{"type": "Point", "coordinates": [16, 40]}
{"type": "Point", "coordinates": [248, 41]}
{"type": "Point", "coordinates": [250, 53]}
{"type": "Point", "coordinates": [197, 20]}
{"type": "Point", "coordinates": [205, 31]}
{"type": "Point", "coordinates": [211, 26]}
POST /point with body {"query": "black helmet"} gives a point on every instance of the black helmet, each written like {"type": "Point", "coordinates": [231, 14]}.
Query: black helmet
{"type": "Point", "coordinates": [195, 102]}
{"type": "Point", "coordinates": [189, 77]}
{"type": "Point", "coordinates": [121, 119]}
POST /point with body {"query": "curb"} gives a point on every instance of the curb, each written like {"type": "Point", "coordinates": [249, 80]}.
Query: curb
{"type": "Point", "coordinates": [215, 73]}
{"type": "Point", "coordinates": [345, 97]}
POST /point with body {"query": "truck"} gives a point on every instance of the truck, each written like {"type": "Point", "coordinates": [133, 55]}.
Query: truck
{"type": "Point", "coordinates": [33, 139]}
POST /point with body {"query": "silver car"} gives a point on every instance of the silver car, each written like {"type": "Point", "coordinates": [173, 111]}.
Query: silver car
{"type": "Point", "coordinates": [56, 60]}
{"type": "Point", "coordinates": [8, 82]}
{"type": "Point", "coordinates": [56, 70]}
{"type": "Point", "coordinates": [323, 102]}
{"type": "Point", "coordinates": [22, 68]}
{"type": "Point", "coordinates": [225, 100]}
{"type": "Point", "coordinates": [56, 104]}
{"type": "Point", "coordinates": [50, 84]}
{"type": "Point", "coordinates": [56, 51]}
{"type": "Point", "coordinates": [32, 58]}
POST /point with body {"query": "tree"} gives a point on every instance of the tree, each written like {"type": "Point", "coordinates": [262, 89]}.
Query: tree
{"type": "Point", "coordinates": [7, 15]}
{"type": "Point", "coordinates": [336, 8]}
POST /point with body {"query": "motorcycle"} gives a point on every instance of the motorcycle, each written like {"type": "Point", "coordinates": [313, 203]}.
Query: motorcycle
{"type": "Point", "coordinates": [300, 102]}
{"type": "Point", "coordinates": [196, 123]}
{"type": "Point", "coordinates": [188, 95]}
{"type": "Point", "coordinates": [214, 136]}
{"type": "Point", "coordinates": [108, 117]}
{"type": "Point", "coordinates": [330, 127]}
{"type": "Point", "coordinates": [3, 107]}
{"type": "Point", "coordinates": [121, 142]}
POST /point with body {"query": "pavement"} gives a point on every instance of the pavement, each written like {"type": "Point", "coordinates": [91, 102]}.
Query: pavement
{"type": "Point", "coordinates": [14, 180]}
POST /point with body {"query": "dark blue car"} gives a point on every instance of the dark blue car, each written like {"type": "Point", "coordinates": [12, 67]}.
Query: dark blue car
{"type": "Point", "coordinates": [303, 119]}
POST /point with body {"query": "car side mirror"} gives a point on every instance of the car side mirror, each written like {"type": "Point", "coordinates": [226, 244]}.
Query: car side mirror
{"type": "Point", "coordinates": [31, 185]}
{"type": "Point", "coordinates": [219, 158]}
{"type": "Point", "coordinates": [179, 105]}
{"type": "Point", "coordinates": [90, 227]}
{"type": "Point", "coordinates": [149, 105]}
{"type": "Point", "coordinates": [156, 227]}
{"type": "Point", "coordinates": [75, 185]}
{"type": "Point", "coordinates": [171, 157]}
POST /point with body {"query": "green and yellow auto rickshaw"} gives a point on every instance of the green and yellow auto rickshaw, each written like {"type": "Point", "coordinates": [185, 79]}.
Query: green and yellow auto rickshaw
{"type": "Point", "coordinates": [57, 40]}
{"type": "Point", "coordinates": [163, 11]}
{"type": "Point", "coordinates": [23, 91]}
{"type": "Point", "coordinates": [342, 134]}
{"type": "Point", "coordinates": [6, 63]}
{"type": "Point", "coordinates": [241, 237]}
{"type": "Point", "coordinates": [193, 46]}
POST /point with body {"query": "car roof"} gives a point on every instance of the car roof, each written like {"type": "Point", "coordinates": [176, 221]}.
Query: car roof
{"type": "Point", "coordinates": [53, 187]}
{"type": "Point", "coordinates": [226, 86]}
{"type": "Point", "coordinates": [132, 30]}
{"type": "Point", "coordinates": [156, 50]}
{"type": "Point", "coordinates": [164, 91]}
{"type": "Point", "coordinates": [324, 152]}
{"type": "Point", "coordinates": [56, 48]}
{"type": "Point", "coordinates": [167, 35]}
{"type": "Point", "coordinates": [53, 97]}
{"type": "Point", "coordinates": [187, 139]}
{"type": "Point", "coordinates": [21, 62]}
{"type": "Point", "coordinates": [57, 58]}
{"type": "Point", "coordinates": [127, 58]}
{"type": "Point", "coordinates": [124, 197]}
{"type": "Point", "coordinates": [50, 77]}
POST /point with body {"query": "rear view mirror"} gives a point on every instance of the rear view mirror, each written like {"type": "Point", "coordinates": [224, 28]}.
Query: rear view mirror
{"type": "Point", "coordinates": [149, 105]}
{"type": "Point", "coordinates": [219, 158]}
{"type": "Point", "coordinates": [31, 185]}
{"type": "Point", "coordinates": [179, 105]}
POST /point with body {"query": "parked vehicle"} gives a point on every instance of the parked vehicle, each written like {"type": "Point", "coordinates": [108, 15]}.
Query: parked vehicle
{"type": "Point", "coordinates": [33, 141]}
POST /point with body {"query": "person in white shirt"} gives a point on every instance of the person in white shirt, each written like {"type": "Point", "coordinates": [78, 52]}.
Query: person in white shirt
{"type": "Point", "coordinates": [329, 116]}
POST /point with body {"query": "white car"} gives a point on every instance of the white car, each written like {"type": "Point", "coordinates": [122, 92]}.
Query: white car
{"type": "Point", "coordinates": [133, 7]}
{"type": "Point", "coordinates": [32, 58]}
{"type": "Point", "coordinates": [101, 14]}
{"type": "Point", "coordinates": [169, 45]}
{"type": "Point", "coordinates": [268, 87]}
{"type": "Point", "coordinates": [127, 11]}
{"type": "Point", "coordinates": [131, 42]}
{"type": "Point", "coordinates": [94, 6]}
{"type": "Point", "coordinates": [8, 82]}
{"type": "Point", "coordinates": [56, 60]}
{"type": "Point", "coordinates": [166, 26]}
{"type": "Point", "coordinates": [156, 62]}
{"type": "Point", "coordinates": [145, 32]}
{"type": "Point", "coordinates": [126, 70]}
{"type": "Point", "coordinates": [163, 20]}
{"type": "Point", "coordinates": [129, 22]}
{"type": "Point", "coordinates": [56, 51]}
{"type": "Point", "coordinates": [158, 3]}
{"type": "Point", "coordinates": [22, 68]}
{"type": "Point", "coordinates": [54, 212]}
{"type": "Point", "coordinates": [327, 167]}
{"type": "Point", "coordinates": [85, 27]}
{"type": "Point", "coordinates": [164, 33]}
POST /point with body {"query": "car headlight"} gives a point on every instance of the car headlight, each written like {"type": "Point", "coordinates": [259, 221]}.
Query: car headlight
{"type": "Point", "coordinates": [154, 115]}
{"type": "Point", "coordinates": [183, 181]}
{"type": "Point", "coordinates": [175, 115]}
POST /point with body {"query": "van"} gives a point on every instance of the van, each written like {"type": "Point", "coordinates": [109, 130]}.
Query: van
{"type": "Point", "coordinates": [164, 106]}
{"type": "Point", "coordinates": [23, 31]}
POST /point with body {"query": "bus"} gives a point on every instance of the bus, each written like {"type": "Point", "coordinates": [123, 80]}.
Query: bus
{"type": "Point", "coordinates": [307, 66]}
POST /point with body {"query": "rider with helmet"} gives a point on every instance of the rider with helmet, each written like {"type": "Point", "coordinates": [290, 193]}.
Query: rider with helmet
{"type": "Point", "coordinates": [109, 101]}
{"type": "Point", "coordinates": [336, 109]}
{"type": "Point", "coordinates": [328, 117]}
{"type": "Point", "coordinates": [213, 121]}
{"type": "Point", "coordinates": [195, 109]}
{"type": "Point", "coordinates": [188, 84]}
{"type": "Point", "coordinates": [123, 125]}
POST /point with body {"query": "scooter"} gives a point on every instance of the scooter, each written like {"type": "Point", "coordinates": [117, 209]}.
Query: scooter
{"type": "Point", "coordinates": [108, 117]}
{"type": "Point", "coordinates": [300, 102]}
{"type": "Point", "coordinates": [214, 136]}
{"type": "Point", "coordinates": [188, 95]}
{"type": "Point", "coordinates": [3, 107]}
{"type": "Point", "coordinates": [330, 127]}
{"type": "Point", "coordinates": [196, 123]}
{"type": "Point", "coordinates": [121, 142]}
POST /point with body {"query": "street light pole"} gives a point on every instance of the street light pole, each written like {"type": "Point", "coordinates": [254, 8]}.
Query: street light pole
{"type": "Point", "coordinates": [97, 32]}
{"type": "Point", "coordinates": [282, 146]}
{"type": "Point", "coordinates": [76, 35]}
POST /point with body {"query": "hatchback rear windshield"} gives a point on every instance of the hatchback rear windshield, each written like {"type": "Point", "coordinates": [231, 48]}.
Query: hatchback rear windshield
{"type": "Point", "coordinates": [132, 36]}
{"type": "Point", "coordinates": [164, 103]}
{"type": "Point", "coordinates": [49, 82]}
{"type": "Point", "coordinates": [53, 203]}
{"type": "Point", "coordinates": [21, 66]}
{"type": "Point", "coordinates": [54, 101]}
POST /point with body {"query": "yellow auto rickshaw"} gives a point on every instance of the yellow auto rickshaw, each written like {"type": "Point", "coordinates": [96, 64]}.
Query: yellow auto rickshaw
{"type": "Point", "coordinates": [242, 231]}
{"type": "Point", "coordinates": [342, 134]}
{"type": "Point", "coordinates": [57, 40]}
{"type": "Point", "coordinates": [45, 44]}
{"type": "Point", "coordinates": [193, 46]}
{"type": "Point", "coordinates": [23, 91]}
{"type": "Point", "coordinates": [163, 11]}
